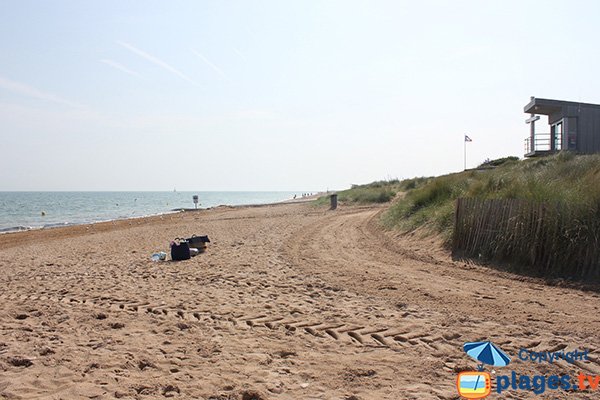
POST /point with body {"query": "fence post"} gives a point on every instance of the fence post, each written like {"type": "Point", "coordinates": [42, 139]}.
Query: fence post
{"type": "Point", "coordinates": [333, 199]}
{"type": "Point", "coordinates": [456, 242]}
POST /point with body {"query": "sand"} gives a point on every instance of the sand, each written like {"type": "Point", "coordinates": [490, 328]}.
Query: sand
{"type": "Point", "coordinates": [290, 301]}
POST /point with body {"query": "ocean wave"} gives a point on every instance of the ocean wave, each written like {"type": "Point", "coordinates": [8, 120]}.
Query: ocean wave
{"type": "Point", "coordinates": [15, 229]}
{"type": "Point", "coordinates": [59, 224]}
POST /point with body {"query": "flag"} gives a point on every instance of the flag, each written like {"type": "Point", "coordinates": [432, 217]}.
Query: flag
{"type": "Point", "coordinates": [468, 139]}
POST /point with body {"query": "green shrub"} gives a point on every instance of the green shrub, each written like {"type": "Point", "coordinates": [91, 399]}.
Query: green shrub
{"type": "Point", "coordinates": [365, 195]}
{"type": "Point", "coordinates": [498, 161]}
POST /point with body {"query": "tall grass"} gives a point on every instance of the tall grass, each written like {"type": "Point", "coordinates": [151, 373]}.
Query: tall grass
{"type": "Point", "coordinates": [375, 192]}
{"type": "Point", "coordinates": [566, 179]}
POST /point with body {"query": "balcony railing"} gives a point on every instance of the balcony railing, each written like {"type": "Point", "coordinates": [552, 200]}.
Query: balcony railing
{"type": "Point", "coordinates": [542, 142]}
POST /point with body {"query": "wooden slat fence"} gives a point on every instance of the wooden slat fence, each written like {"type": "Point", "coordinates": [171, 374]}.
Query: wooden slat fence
{"type": "Point", "coordinates": [540, 239]}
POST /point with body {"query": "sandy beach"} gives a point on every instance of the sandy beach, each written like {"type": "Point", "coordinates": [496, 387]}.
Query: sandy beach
{"type": "Point", "coordinates": [290, 301]}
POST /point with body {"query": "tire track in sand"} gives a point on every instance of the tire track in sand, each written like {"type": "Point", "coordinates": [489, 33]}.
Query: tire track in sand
{"type": "Point", "coordinates": [350, 250]}
{"type": "Point", "coordinates": [344, 333]}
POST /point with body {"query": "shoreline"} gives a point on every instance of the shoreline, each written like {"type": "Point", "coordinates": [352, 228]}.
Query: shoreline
{"type": "Point", "coordinates": [22, 229]}
{"type": "Point", "coordinates": [16, 238]}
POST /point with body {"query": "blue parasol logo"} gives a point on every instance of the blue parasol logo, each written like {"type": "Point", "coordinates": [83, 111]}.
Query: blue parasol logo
{"type": "Point", "coordinates": [486, 353]}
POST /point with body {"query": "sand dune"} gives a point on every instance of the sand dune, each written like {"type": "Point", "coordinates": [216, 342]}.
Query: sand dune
{"type": "Point", "coordinates": [290, 301]}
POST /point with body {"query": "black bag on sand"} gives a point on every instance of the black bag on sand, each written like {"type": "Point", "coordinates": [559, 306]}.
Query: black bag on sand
{"type": "Point", "coordinates": [180, 250]}
{"type": "Point", "coordinates": [198, 242]}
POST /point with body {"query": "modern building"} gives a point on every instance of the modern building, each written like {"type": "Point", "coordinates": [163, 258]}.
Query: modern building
{"type": "Point", "coordinates": [572, 126]}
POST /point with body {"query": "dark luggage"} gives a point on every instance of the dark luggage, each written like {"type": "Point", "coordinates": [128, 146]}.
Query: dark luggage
{"type": "Point", "coordinates": [180, 250]}
{"type": "Point", "coordinates": [198, 242]}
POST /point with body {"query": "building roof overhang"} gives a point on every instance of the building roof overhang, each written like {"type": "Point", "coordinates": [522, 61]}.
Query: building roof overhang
{"type": "Point", "coordinates": [549, 106]}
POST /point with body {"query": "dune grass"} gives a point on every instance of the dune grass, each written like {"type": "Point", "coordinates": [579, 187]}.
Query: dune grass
{"type": "Point", "coordinates": [566, 179]}
{"type": "Point", "coordinates": [376, 192]}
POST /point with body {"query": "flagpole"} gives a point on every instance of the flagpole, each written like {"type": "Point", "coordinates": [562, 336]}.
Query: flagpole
{"type": "Point", "coordinates": [465, 151]}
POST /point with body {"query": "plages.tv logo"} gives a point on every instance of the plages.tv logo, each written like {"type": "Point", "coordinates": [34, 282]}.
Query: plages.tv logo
{"type": "Point", "coordinates": [478, 384]}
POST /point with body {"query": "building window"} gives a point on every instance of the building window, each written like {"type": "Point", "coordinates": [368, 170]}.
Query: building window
{"type": "Point", "coordinates": [557, 131]}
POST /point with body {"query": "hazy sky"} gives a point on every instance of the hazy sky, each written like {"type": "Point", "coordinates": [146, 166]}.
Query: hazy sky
{"type": "Point", "coordinates": [277, 95]}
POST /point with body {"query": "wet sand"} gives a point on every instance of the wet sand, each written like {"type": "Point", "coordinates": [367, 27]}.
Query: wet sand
{"type": "Point", "coordinates": [290, 301]}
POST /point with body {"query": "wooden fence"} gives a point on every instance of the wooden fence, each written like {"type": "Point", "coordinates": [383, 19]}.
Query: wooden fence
{"type": "Point", "coordinates": [539, 239]}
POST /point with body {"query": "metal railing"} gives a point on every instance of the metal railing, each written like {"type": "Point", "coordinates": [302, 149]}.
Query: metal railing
{"type": "Point", "coordinates": [542, 142]}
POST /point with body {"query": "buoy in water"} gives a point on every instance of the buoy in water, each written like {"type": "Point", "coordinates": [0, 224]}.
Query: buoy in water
{"type": "Point", "coordinates": [43, 213]}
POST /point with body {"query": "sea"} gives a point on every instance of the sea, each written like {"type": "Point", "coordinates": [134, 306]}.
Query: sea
{"type": "Point", "coordinates": [30, 210]}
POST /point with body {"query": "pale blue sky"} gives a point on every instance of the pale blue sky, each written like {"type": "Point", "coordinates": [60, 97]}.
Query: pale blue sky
{"type": "Point", "coordinates": [277, 95]}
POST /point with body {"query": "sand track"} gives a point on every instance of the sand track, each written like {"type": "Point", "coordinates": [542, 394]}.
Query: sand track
{"type": "Point", "coordinates": [290, 302]}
